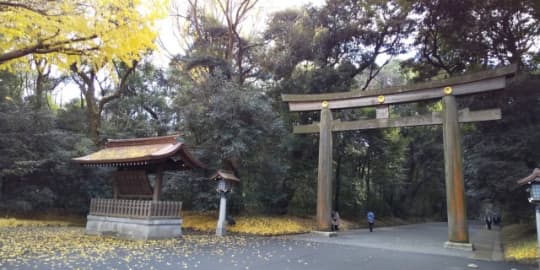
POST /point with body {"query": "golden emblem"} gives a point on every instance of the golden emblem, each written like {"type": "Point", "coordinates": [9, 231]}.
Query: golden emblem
{"type": "Point", "coordinates": [448, 90]}
{"type": "Point", "coordinates": [325, 104]}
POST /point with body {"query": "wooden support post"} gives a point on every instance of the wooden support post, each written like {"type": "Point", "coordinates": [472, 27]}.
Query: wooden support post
{"type": "Point", "coordinates": [382, 112]}
{"type": "Point", "coordinates": [324, 179]}
{"type": "Point", "coordinates": [115, 186]}
{"type": "Point", "coordinates": [157, 184]}
{"type": "Point", "coordinates": [458, 231]}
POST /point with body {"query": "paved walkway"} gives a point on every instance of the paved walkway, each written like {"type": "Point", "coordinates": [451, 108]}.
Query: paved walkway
{"type": "Point", "coordinates": [417, 247]}
{"type": "Point", "coordinates": [426, 238]}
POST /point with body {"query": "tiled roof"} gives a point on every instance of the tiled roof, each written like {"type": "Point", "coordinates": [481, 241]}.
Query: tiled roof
{"type": "Point", "coordinates": [129, 152]}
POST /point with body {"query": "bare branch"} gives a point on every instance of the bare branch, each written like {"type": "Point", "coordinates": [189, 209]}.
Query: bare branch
{"type": "Point", "coordinates": [122, 87]}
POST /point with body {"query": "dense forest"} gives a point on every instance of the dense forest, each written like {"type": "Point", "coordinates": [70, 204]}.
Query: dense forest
{"type": "Point", "coordinates": [223, 93]}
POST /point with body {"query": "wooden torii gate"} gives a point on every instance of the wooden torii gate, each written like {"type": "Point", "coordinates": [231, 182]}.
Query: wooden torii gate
{"type": "Point", "coordinates": [447, 90]}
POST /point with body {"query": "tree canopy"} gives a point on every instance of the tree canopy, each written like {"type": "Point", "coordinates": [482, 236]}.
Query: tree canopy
{"type": "Point", "coordinates": [67, 32]}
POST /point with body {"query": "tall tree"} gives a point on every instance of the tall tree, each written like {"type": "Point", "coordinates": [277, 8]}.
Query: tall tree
{"type": "Point", "coordinates": [215, 40]}
{"type": "Point", "coordinates": [331, 49]}
{"type": "Point", "coordinates": [349, 35]}
{"type": "Point", "coordinates": [145, 107]}
{"type": "Point", "coordinates": [457, 36]}
{"type": "Point", "coordinates": [98, 92]}
{"type": "Point", "coordinates": [62, 31]}
{"type": "Point", "coordinates": [236, 128]}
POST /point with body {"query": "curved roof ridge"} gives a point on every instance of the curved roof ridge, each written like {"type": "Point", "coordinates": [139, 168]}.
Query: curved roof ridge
{"type": "Point", "coordinates": [169, 139]}
{"type": "Point", "coordinates": [128, 152]}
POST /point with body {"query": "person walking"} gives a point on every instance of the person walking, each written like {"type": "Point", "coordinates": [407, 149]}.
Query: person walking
{"type": "Point", "coordinates": [488, 221]}
{"type": "Point", "coordinates": [370, 220]}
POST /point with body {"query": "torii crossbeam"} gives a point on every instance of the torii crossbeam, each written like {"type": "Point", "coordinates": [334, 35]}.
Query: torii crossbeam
{"type": "Point", "coordinates": [447, 90]}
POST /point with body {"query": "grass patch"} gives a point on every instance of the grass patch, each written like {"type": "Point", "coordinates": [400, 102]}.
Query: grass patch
{"type": "Point", "coordinates": [520, 243]}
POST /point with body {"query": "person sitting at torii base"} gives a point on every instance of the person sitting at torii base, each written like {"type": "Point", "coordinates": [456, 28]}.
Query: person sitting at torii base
{"type": "Point", "coordinates": [335, 221]}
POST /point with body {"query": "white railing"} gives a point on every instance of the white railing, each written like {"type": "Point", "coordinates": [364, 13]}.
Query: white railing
{"type": "Point", "coordinates": [135, 208]}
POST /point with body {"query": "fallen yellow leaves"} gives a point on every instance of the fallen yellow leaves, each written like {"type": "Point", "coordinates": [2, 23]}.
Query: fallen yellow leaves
{"type": "Point", "coordinates": [258, 225]}
{"type": "Point", "coordinates": [61, 247]}
{"type": "Point", "coordinates": [272, 225]}
{"type": "Point", "coordinates": [524, 250]}
{"type": "Point", "coordinates": [18, 222]}
{"type": "Point", "coordinates": [519, 242]}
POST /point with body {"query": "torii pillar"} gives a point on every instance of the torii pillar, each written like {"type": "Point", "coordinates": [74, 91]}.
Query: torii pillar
{"type": "Point", "coordinates": [324, 178]}
{"type": "Point", "coordinates": [458, 233]}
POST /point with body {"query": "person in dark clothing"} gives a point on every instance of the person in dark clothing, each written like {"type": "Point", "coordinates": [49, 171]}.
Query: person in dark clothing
{"type": "Point", "coordinates": [488, 221]}
{"type": "Point", "coordinates": [335, 221]}
{"type": "Point", "coordinates": [497, 220]}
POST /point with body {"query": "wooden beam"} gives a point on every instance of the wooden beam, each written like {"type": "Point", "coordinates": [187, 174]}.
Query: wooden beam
{"type": "Point", "coordinates": [465, 116]}
{"type": "Point", "coordinates": [458, 80]}
{"type": "Point", "coordinates": [403, 97]}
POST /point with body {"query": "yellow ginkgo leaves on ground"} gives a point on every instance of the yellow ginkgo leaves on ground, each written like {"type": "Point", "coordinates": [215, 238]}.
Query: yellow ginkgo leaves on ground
{"type": "Point", "coordinates": [70, 247]}
{"type": "Point", "coordinates": [256, 225]}
{"type": "Point", "coordinates": [265, 225]}
{"type": "Point", "coordinates": [41, 222]}
{"type": "Point", "coordinates": [519, 241]}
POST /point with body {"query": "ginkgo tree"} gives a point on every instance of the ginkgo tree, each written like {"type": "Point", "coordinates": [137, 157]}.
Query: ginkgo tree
{"type": "Point", "coordinates": [65, 32]}
{"type": "Point", "coordinates": [82, 37]}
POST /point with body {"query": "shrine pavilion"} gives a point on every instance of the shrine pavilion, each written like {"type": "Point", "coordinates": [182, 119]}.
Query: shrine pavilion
{"type": "Point", "coordinates": [136, 211]}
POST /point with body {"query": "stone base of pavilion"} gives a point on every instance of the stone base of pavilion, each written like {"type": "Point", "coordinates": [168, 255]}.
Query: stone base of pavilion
{"type": "Point", "coordinates": [135, 219]}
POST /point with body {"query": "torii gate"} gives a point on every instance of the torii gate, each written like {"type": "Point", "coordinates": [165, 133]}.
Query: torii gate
{"type": "Point", "coordinates": [447, 90]}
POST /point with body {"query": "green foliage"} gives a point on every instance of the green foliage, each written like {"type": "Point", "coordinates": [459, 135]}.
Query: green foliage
{"type": "Point", "coordinates": [35, 153]}
{"type": "Point", "coordinates": [459, 36]}
{"type": "Point", "coordinates": [144, 110]}
{"type": "Point", "coordinates": [235, 127]}
{"type": "Point", "coordinates": [499, 153]}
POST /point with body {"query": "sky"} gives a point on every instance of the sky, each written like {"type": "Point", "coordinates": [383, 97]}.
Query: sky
{"type": "Point", "coordinates": [168, 43]}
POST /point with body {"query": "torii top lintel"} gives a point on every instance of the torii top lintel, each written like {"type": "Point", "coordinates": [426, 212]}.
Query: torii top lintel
{"type": "Point", "coordinates": [461, 85]}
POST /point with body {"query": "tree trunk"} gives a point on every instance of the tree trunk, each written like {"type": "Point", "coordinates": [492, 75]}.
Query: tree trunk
{"type": "Point", "coordinates": [40, 80]}
{"type": "Point", "coordinates": [92, 113]}
{"type": "Point", "coordinates": [93, 126]}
